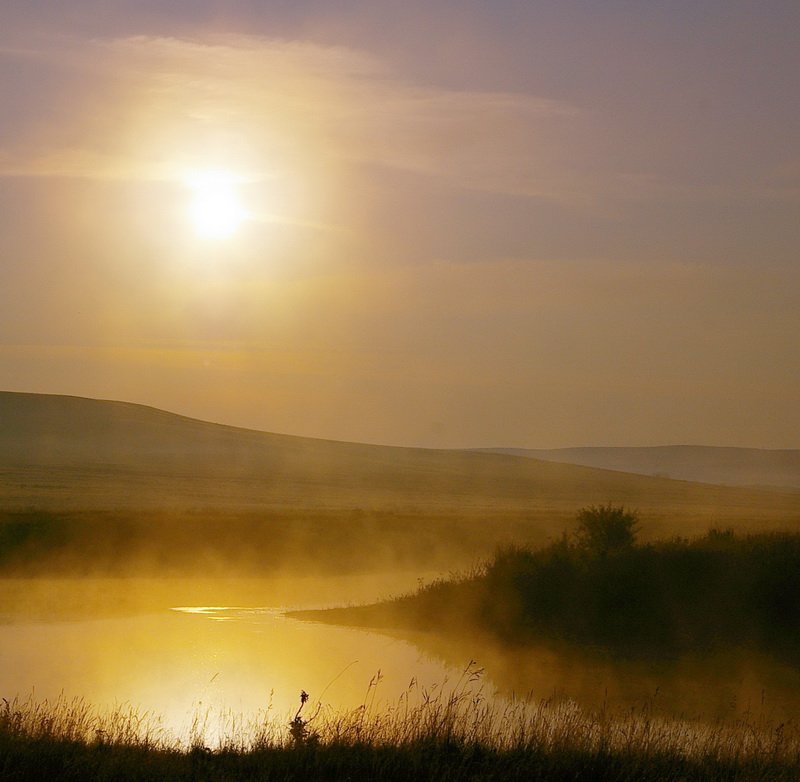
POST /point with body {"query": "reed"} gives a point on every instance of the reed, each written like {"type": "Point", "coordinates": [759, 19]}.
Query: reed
{"type": "Point", "coordinates": [449, 732]}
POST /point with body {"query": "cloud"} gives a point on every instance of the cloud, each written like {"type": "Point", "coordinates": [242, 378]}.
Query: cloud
{"type": "Point", "coordinates": [145, 107]}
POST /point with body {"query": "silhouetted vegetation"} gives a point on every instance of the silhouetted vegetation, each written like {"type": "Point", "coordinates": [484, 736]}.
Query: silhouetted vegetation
{"type": "Point", "coordinates": [454, 735]}
{"type": "Point", "coordinates": [672, 595]}
{"type": "Point", "coordinates": [605, 528]}
{"type": "Point", "coordinates": [598, 588]}
{"type": "Point", "coordinates": [24, 533]}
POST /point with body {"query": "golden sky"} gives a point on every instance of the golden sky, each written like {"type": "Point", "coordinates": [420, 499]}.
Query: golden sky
{"type": "Point", "coordinates": [504, 223]}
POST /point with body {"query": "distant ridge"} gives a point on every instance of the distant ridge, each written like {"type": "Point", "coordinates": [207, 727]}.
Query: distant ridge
{"type": "Point", "coordinates": [753, 467]}
{"type": "Point", "coordinates": [71, 452]}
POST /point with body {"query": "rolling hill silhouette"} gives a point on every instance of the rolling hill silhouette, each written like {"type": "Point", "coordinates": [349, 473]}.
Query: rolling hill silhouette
{"type": "Point", "coordinates": [755, 467]}
{"type": "Point", "coordinates": [76, 453]}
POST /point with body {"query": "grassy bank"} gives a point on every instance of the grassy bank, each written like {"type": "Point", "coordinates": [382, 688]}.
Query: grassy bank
{"type": "Point", "coordinates": [424, 736]}
{"type": "Point", "coordinates": [662, 597]}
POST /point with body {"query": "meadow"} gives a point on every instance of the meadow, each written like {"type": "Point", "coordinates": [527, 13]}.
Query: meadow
{"type": "Point", "coordinates": [426, 735]}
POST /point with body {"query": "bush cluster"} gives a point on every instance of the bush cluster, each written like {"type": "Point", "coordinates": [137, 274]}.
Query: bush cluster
{"type": "Point", "coordinates": [666, 596]}
{"type": "Point", "coordinates": [599, 586]}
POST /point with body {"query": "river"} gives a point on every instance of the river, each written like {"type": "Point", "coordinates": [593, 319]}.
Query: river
{"type": "Point", "coordinates": [182, 647]}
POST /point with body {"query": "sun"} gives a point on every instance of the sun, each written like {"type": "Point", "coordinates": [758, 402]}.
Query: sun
{"type": "Point", "coordinates": [216, 210]}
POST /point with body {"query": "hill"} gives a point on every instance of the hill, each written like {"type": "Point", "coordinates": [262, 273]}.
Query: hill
{"type": "Point", "coordinates": [752, 467]}
{"type": "Point", "coordinates": [61, 451]}
{"type": "Point", "coordinates": [88, 481]}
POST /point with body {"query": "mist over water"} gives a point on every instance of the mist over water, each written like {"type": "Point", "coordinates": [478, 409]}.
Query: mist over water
{"type": "Point", "coordinates": [724, 684]}
{"type": "Point", "coordinates": [189, 649]}
{"type": "Point", "coordinates": [127, 644]}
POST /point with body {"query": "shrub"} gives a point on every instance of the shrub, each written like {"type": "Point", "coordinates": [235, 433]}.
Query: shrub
{"type": "Point", "coordinates": [605, 528]}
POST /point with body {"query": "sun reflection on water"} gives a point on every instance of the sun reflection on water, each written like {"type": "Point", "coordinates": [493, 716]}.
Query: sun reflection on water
{"type": "Point", "coordinates": [212, 662]}
{"type": "Point", "coordinates": [215, 654]}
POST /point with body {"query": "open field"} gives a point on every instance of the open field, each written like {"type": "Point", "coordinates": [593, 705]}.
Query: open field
{"type": "Point", "coordinates": [90, 485]}
{"type": "Point", "coordinates": [68, 453]}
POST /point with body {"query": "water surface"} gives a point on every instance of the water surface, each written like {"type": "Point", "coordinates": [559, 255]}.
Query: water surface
{"type": "Point", "coordinates": [149, 644]}
{"type": "Point", "coordinates": [180, 647]}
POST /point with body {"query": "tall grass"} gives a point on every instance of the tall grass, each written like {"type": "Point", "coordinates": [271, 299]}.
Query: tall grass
{"type": "Point", "coordinates": [456, 733]}
{"type": "Point", "coordinates": [669, 596]}
{"type": "Point", "coordinates": [664, 597]}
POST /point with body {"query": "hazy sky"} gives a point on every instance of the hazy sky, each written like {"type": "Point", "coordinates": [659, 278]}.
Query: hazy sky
{"type": "Point", "coordinates": [491, 223]}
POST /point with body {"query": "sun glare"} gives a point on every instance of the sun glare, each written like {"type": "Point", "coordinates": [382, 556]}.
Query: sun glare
{"type": "Point", "coordinates": [216, 210]}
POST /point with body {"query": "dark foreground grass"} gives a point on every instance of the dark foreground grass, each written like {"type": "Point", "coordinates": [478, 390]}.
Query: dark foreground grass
{"type": "Point", "coordinates": [460, 735]}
